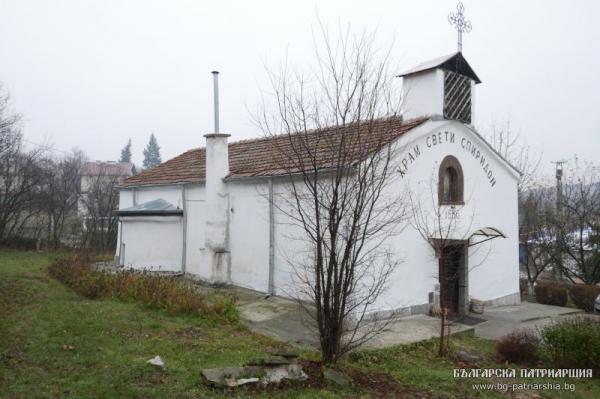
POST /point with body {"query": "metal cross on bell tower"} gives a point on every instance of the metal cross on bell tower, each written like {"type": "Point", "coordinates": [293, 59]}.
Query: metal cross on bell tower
{"type": "Point", "coordinates": [458, 20]}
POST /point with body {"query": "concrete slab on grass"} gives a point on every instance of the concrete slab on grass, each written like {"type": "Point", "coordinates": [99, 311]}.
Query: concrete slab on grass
{"type": "Point", "coordinates": [287, 321]}
{"type": "Point", "coordinates": [526, 311]}
{"type": "Point", "coordinates": [283, 319]}
{"type": "Point", "coordinates": [411, 329]}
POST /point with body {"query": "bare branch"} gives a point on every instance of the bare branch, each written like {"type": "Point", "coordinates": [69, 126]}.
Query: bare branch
{"type": "Point", "coordinates": [332, 138]}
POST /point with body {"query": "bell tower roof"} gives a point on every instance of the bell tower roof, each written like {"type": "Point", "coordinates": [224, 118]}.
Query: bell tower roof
{"type": "Point", "coordinates": [444, 86]}
{"type": "Point", "coordinates": [454, 62]}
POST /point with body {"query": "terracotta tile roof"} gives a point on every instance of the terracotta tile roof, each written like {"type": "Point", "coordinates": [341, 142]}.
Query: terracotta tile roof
{"type": "Point", "coordinates": [267, 156]}
{"type": "Point", "coordinates": [188, 167]}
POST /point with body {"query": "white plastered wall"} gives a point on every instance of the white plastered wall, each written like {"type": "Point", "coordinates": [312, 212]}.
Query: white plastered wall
{"type": "Point", "coordinates": [195, 212]}
{"type": "Point", "coordinates": [490, 193]}
{"type": "Point", "coordinates": [490, 202]}
{"type": "Point", "coordinates": [292, 246]}
{"type": "Point", "coordinates": [125, 201]}
{"type": "Point", "coordinates": [250, 237]}
{"type": "Point", "coordinates": [423, 94]}
{"type": "Point", "coordinates": [249, 234]}
{"type": "Point", "coordinates": [152, 242]}
{"type": "Point", "coordinates": [171, 194]}
{"type": "Point", "coordinates": [129, 197]}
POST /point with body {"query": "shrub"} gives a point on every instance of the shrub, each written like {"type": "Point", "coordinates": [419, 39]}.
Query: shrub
{"type": "Point", "coordinates": [21, 243]}
{"type": "Point", "coordinates": [520, 346]}
{"type": "Point", "coordinates": [551, 294]}
{"type": "Point", "coordinates": [77, 273]}
{"type": "Point", "coordinates": [573, 343]}
{"type": "Point", "coordinates": [583, 296]}
{"type": "Point", "coordinates": [161, 292]}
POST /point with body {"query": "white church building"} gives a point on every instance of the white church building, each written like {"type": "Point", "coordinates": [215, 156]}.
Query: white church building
{"type": "Point", "coordinates": [207, 213]}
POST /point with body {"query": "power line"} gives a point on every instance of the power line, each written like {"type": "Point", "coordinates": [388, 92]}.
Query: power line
{"type": "Point", "coordinates": [45, 147]}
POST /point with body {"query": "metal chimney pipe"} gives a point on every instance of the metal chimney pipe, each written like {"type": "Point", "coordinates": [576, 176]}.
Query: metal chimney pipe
{"type": "Point", "coordinates": [216, 89]}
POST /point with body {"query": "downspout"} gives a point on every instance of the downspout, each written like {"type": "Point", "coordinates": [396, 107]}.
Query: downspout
{"type": "Point", "coordinates": [184, 249]}
{"type": "Point", "coordinates": [271, 238]}
{"type": "Point", "coordinates": [121, 259]}
{"type": "Point", "coordinates": [134, 195]}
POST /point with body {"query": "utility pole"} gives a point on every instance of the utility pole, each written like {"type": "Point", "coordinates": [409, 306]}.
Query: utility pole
{"type": "Point", "coordinates": [558, 266]}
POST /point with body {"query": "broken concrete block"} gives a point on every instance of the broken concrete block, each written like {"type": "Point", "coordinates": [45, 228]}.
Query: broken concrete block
{"type": "Point", "coordinates": [236, 376]}
{"type": "Point", "coordinates": [291, 355]}
{"type": "Point", "coordinates": [284, 372]}
{"type": "Point", "coordinates": [243, 381]}
{"type": "Point", "coordinates": [287, 353]}
{"type": "Point", "coordinates": [224, 376]}
{"type": "Point", "coordinates": [295, 372]}
{"type": "Point", "coordinates": [256, 361]}
{"type": "Point", "coordinates": [275, 360]}
{"type": "Point", "coordinates": [467, 357]}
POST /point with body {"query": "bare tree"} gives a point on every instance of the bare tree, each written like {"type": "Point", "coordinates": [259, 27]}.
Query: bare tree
{"type": "Point", "coordinates": [537, 234]}
{"type": "Point", "coordinates": [533, 208]}
{"type": "Point", "coordinates": [20, 177]}
{"type": "Point", "coordinates": [445, 228]}
{"type": "Point", "coordinates": [20, 173]}
{"type": "Point", "coordinates": [10, 121]}
{"type": "Point", "coordinates": [333, 135]}
{"type": "Point", "coordinates": [60, 193]}
{"type": "Point", "coordinates": [507, 142]}
{"type": "Point", "coordinates": [98, 202]}
{"type": "Point", "coordinates": [577, 222]}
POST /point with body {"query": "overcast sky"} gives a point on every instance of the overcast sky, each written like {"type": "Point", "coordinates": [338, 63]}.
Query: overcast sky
{"type": "Point", "coordinates": [92, 74]}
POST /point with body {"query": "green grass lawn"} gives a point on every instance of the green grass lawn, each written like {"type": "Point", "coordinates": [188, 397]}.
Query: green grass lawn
{"type": "Point", "coordinates": [112, 341]}
{"type": "Point", "coordinates": [41, 320]}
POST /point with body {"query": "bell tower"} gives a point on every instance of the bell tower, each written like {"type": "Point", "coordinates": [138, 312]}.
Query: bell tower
{"type": "Point", "coordinates": [443, 86]}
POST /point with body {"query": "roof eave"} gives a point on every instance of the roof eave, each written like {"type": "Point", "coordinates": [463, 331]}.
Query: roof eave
{"type": "Point", "coordinates": [438, 63]}
{"type": "Point", "coordinates": [510, 165]}
{"type": "Point", "coordinates": [150, 185]}
{"type": "Point", "coordinates": [177, 212]}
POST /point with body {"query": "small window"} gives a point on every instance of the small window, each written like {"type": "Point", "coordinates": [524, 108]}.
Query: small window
{"type": "Point", "coordinates": [450, 182]}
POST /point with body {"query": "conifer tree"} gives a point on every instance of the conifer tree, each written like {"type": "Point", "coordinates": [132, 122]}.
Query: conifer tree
{"type": "Point", "coordinates": [152, 153]}
{"type": "Point", "coordinates": [126, 152]}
